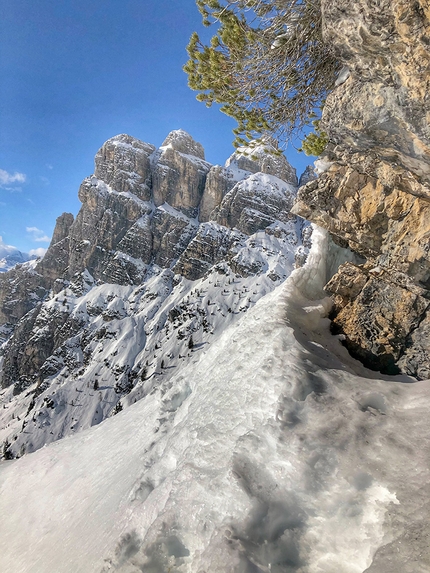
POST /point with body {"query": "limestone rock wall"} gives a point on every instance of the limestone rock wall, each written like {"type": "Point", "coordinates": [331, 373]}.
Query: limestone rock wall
{"type": "Point", "coordinates": [123, 163]}
{"type": "Point", "coordinates": [375, 194]}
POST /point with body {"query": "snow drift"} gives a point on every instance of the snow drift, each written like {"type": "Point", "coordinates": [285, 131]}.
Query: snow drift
{"type": "Point", "coordinates": [272, 450]}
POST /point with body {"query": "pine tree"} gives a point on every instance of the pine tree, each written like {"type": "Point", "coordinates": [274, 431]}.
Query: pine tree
{"type": "Point", "coordinates": [191, 343]}
{"type": "Point", "coordinates": [118, 408]}
{"type": "Point", "coordinates": [6, 450]}
{"type": "Point", "coordinates": [267, 64]}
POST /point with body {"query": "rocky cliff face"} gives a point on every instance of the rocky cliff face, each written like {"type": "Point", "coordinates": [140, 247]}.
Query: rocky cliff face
{"type": "Point", "coordinates": [375, 194]}
{"type": "Point", "coordinates": [165, 247]}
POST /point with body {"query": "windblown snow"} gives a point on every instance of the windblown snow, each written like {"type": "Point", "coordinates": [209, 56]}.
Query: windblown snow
{"type": "Point", "coordinates": [270, 449]}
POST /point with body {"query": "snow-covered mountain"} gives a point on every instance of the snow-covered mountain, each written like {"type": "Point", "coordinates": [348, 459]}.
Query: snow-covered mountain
{"type": "Point", "coordinates": [173, 400]}
{"type": "Point", "coordinates": [11, 256]}
{"type": "Point", "coordinates": [166, 252]}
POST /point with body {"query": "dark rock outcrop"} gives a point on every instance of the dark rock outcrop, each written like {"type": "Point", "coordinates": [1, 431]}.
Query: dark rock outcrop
{"type": "Point", "coordinates": [21, 289]}
{"type": "Point", "coordinates": [172, 232]}
{"type": "Point", "coordinates": [212, 244]}
{"type": "Point", "coordinates": [55, 263]}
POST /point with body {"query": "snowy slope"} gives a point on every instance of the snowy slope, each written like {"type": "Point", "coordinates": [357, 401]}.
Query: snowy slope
{"type": "Point", "coordinates": [270, 450]}
{"type": "Point", "coordinates": [117, 343]}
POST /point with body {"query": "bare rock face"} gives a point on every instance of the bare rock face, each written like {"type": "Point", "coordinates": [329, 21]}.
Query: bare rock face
{"type": "Point", "coordinates": [219, 182]}
{"type": "Point", "coordinates": [137, 242]}
{"type": "Point", "coordinates": [212, 244]}
{"type": "Point", "coordinates": [33, 342]}
{"type": "Point", "coordinates": [56, 260]}
{"type": "Point", "coordinates": [375, 192]}
{"type": "Point", "coordinates": [378, 312]}
{"type": "Point", "coordinates": [377, 220]}
{"type": "Point", "coordinates": [172, 232]}
{"type": "Point", "coordinates": [256, 203]}
{"type": "Point", "coordinates": [20, 291]}
{"type": "Point", "coordinates": [179, 177]}
{"type": "Point", "coordinates": [383, 106]}
{"type": "Point", "coordinates": [179, 181]}
{"type": "Point", "coordinates": [103, 221]}
{"type": "Point", "coordinates": [133, 254]}
{"type": "Point", "coordinates": [123, 163]}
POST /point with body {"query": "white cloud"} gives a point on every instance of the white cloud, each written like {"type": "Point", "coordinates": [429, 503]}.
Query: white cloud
{"type": "Point", "coordinates": [38, 235]}
{"type": "Point", "coordinates": [49, 166]}
{"type": "Point", "coordinates": [6, 249]}
{"type": "Point", "coordinates": [40, 252]}
{"type": "Point", "coordinates": [8, 178]}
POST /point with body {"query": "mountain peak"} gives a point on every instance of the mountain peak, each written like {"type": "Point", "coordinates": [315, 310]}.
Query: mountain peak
{"type": "Point", "coordinates": [182, 141]}
{"type": "Point", "coordinates": [263, 157]}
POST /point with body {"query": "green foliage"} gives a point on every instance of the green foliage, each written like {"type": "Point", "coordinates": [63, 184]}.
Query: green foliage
{"type": "Point", "coordinates": [316, 142]}
{"type": "Point", "coordinates": [266, 65]}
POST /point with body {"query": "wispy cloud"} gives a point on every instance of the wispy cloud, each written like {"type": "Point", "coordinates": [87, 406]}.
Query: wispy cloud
{"type": "Point", "coordinates": [7, 178]}
{"type": "Point", "coordinates": [38, 235]}
{"type": "Point", "coordinates": [49, 166]}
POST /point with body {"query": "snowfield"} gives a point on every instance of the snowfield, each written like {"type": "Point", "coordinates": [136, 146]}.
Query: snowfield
{"type": "Point", "coordinates": [270, 450]}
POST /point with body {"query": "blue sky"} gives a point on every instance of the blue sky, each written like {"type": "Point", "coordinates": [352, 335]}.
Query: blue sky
{"type": "Point", "coordinates": [74, 73]}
